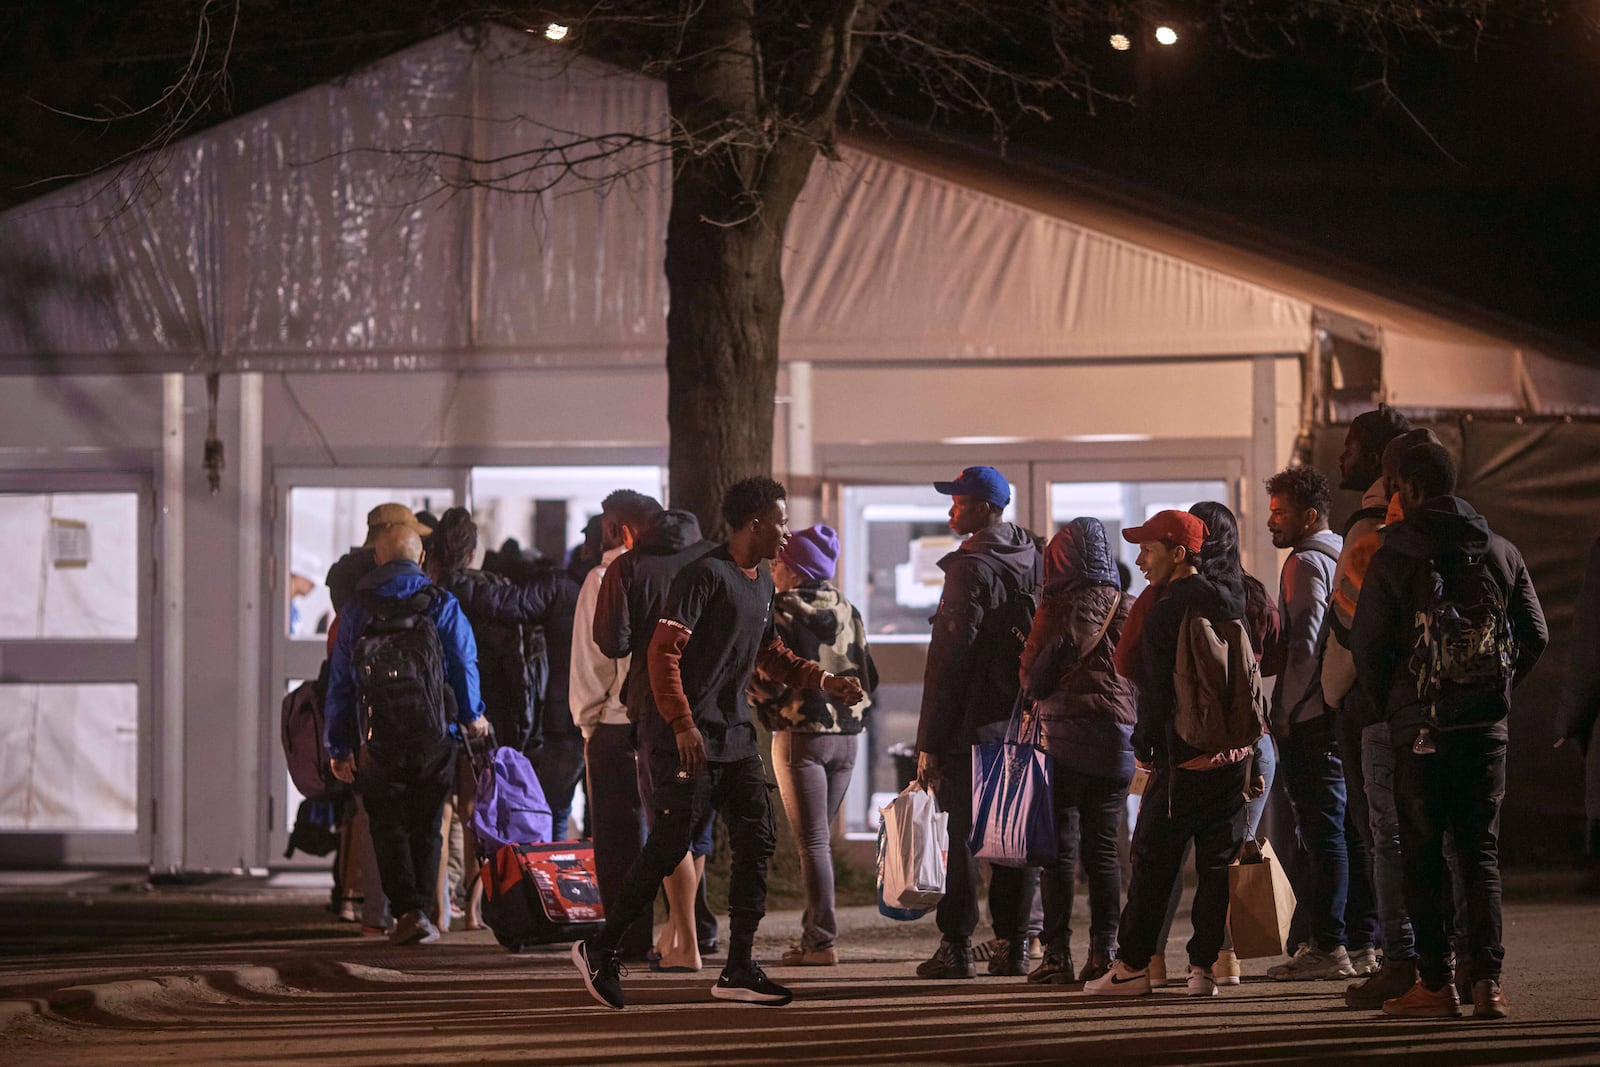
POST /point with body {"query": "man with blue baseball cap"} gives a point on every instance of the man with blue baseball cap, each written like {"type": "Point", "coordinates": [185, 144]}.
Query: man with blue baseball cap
{"type": "Point", "coordinates": [968, 689]}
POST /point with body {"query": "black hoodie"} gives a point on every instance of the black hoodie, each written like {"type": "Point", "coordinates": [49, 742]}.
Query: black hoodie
{"type": "Point", "coordinates": [961, 693]}
{"type": "Point", "coordinates": [632, 596]}
{"type": "Point", "coordinates": [1385, 631]}
{"type": "Point", "coordinates": [1217, 600]}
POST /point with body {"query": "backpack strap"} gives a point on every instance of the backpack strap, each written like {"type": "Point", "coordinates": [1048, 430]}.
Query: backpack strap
{"type": "Point", "coordinates": [1373, 512]}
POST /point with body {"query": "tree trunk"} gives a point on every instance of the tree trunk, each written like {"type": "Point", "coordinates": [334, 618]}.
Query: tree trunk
{"type": "Point", "coordinates": [726, 287]}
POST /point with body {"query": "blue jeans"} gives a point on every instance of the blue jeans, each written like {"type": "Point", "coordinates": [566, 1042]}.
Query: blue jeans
{"type": "Point", "coordinates": [1314, 774]}
{"type": "Point", "coordinates": [813, 772]}
{"type": "Point", "coordinates": [1265, 764]}
{"type": "Point", "coordinates": [1388, 865]}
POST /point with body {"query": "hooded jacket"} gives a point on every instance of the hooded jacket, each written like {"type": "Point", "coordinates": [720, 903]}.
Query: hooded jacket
{"type": "Point", "coordinates": [961, 690]}
{"type": "Point", "coordinates": [348, 570]}
{"type": "Point", "coordinates": [1154, 739]}
{"type": "Point", "coordinates": [397, 579]}
{"type": "Point", "coordinates": [1086, 710]}
{"type": "Point", "coordinates": [524, 678]}
{"type": "Point", "coordinates": [817, 623]}
{"type": "Point", "coordinates": [632, 596]}
{"type": "Point", "coordinates": [1304, 587]}
{"type": "Point", "coordinates": [1385, 630]}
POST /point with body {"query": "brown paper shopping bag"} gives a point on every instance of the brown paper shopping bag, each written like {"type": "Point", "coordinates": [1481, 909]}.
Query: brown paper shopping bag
{"type": "Point", "coordinates": [1260, 902]}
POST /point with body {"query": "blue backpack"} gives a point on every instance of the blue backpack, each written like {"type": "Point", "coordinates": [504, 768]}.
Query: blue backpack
{"type": "Point", "coordinates": [511, 809]}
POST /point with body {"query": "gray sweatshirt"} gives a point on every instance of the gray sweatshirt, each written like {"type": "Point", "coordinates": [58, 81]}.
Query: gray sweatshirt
{"type": "Point", "coordinates": [1304, 590]}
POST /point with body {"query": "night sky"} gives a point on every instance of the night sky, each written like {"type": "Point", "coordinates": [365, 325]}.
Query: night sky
{"type": "Point", "coordinates": [1485, 195]}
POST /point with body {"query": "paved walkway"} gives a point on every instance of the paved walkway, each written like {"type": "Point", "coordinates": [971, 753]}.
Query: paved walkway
{"type": "Point", "coordinates": [234, 974]}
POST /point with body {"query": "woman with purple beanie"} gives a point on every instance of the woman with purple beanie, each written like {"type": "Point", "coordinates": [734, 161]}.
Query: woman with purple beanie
{"type": "Point", "coordinates": [814, 736]}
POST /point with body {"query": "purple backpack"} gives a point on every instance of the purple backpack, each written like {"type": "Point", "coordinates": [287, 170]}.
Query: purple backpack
{"type": "Point", "coordinates": [511, 809]}
{"type": "Point", "coordinates": [304, 748]}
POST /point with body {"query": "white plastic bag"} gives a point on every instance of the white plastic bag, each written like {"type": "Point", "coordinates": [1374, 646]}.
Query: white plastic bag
{"type": "Point", "coordinates": [917, 843]}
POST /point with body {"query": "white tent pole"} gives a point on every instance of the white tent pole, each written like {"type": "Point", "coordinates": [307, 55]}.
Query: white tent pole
{"type": "Point", "coordinates": [168, 853]}
{"type": "Point", "coordinates": [802, 447]}
{"type": "Point", "coordinates": [251, 728]}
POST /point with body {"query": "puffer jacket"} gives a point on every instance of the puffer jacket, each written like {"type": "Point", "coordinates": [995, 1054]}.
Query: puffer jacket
{"type": "Point", "coordinates": [1085, 710]}
{"type": "Point", "coordinates": [817, 623]}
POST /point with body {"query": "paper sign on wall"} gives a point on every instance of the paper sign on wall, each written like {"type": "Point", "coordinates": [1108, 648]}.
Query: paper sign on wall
{"type": "Point", "coordinates": [69, 543]}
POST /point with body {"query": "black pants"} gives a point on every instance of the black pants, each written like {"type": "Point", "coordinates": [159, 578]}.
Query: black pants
{"type": "Point", "coordinates": [1458, 789]}
{"type": "Point", "coordinates": [1206, 807]}
{"type": "Point", "coordinates": [1088, 813]}
{"type": "Point", "coordinates": [957, 914]}
{"type": "Point", "coordinates": [738, 792]}
{"type": "Point", "coordinates": [403, 810]}
{"type": "Point", "coordinates": [700, 844]}
{"type": "Point", "coordinates": [616, 821]}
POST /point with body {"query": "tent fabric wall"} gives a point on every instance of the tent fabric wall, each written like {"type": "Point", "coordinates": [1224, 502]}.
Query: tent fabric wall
{"type": "Point", "coordinates": [312, 234]}
{"type": "Point", "coordinates": [1534, 481]}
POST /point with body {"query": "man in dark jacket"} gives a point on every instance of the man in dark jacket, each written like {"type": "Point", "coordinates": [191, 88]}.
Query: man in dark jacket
{"type": "Point", "coordinates": [403, 792]}
{"type": "Point", "coordinates": [632, 595]}
{"type": "Point", "coordinates": [1191, 795]}
{"type": "Point", "coordinates": [1450, 752]}
{"type": "Point", "coordinates": [968, 691]}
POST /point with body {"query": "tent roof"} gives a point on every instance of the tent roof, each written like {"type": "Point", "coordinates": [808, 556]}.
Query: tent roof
{"type": "Point", "coordinates": [304, 235]}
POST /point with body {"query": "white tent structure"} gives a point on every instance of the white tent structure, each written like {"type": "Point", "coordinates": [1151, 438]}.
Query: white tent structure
{"type": "Point", "coordinates": [377, 332]}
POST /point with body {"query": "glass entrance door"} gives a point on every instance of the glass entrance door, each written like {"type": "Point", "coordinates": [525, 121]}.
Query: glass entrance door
{"type": "Point", "coordinates": [76, 670]}
{"type": "Point", "coordinates": [321, 515]}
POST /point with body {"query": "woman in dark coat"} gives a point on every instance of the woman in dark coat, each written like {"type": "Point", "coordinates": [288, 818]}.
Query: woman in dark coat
{"type": "Point", "coordinates": [1085, 713]}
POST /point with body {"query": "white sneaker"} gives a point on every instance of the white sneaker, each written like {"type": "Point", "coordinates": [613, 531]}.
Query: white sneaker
{"type": "Point", "coordinates": [1365, 961]}
{"type": "Point", "coordinates": [1120, 981]}
{"type": "Point", "coordinates": [1200, 983]}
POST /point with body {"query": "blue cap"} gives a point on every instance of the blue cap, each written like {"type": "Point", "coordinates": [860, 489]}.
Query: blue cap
{"type": "Point", "coordinates": [985, 483]}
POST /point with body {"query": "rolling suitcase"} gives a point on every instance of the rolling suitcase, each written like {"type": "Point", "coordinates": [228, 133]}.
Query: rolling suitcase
{"type": "Point", "coordinates": [537, 894]}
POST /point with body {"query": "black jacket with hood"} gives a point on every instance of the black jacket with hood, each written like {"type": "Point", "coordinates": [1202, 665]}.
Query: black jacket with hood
{"type": "Point", "coordinates": [1086, 709]}
{"type": "Point", "coordinates": [1385, 632]}
{"type": "Point", "coordinates": [962, 692]}
{"type": "Point", "coordinates": [524, 633]}
{"type": "Point", "coordinates": [632, 596]}
{"type": "Point", "coordinates": [1219, 599]}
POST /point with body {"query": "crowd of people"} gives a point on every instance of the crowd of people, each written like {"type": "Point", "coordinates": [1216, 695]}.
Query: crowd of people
{"type": "Point", "coordinates": [1390, 650]}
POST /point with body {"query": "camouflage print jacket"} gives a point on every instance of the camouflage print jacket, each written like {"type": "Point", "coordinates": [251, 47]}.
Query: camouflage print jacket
{"type": "Point", "coordinates": [817, 623]}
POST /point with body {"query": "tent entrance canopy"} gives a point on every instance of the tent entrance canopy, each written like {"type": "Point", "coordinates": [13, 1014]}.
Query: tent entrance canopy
{"type": "Point", "coordinates": [310, 236]}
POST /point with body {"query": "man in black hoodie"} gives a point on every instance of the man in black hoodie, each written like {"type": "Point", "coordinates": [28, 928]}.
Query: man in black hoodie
{"type": "Point", "coordinates": [632, 595]}
{"type": "Point", "coordinates": [1191, 795]}
{"type": "Point", "coordinates": [968, 690]}
{"type": "Point", "coordinates": [1450, 752]}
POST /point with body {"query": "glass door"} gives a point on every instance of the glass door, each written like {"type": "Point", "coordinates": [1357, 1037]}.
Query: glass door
{"type": "Point", "coordinates": [76, 670]}
{"type": "Point", "coordinates": [320, 515]}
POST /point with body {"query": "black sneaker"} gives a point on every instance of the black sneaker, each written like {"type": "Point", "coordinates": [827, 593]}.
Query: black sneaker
{"type": "Point", "coordinates": [749, 984]}
{"type": "Point", "coordinates": [602, 974]}
{"type": "Point", "coordinates": [1010, 960]}
{"type": "Point", "coordinates": [951, 961]}
{"type": "Point", "coordinates": [1055, 968]}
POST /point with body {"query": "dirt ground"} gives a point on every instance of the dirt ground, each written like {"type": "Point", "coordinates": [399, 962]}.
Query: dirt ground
{"type": "Point", "coordinates": [104, 972]}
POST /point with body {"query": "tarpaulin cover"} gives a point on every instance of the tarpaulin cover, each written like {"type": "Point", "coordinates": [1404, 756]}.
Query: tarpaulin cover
{"type": "Point", "coordinates": [1534, 481]}
{"type": "Point", "coordinates": [331, 230]}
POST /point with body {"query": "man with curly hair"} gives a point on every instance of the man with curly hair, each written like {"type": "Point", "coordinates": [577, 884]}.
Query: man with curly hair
{"type": "Point", "coordinates": [715, 631]}
{"type": "Point", "coordinates": [1299, 499]}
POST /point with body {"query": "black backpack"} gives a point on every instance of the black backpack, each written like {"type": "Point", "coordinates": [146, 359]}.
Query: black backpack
{"type": "Point", "coordinates": [399, 667]}
{"type": "Point", "coordinates": [1005, 631]}
{"type": "Point", "coordinates": [1465, 653]}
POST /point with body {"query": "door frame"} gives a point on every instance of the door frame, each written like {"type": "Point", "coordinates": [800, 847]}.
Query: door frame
{"type": "Point", "coordinates": [73, 660]}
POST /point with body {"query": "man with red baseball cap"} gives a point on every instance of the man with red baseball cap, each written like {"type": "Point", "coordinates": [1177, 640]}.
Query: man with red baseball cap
{"type": "Point", "coordinates": [1191, 794]}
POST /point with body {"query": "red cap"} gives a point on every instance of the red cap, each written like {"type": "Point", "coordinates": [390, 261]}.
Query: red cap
{"type": "Point", "coordinates": [1179, 527]}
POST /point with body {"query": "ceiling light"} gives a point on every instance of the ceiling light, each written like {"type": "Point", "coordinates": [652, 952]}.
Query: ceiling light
{"type": "Point", "coordinates": [555, 32]}
{"type": "Point", "coordinates": [1166, 35]}
{"type": "Point", "coordinates": [1120, 42]}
